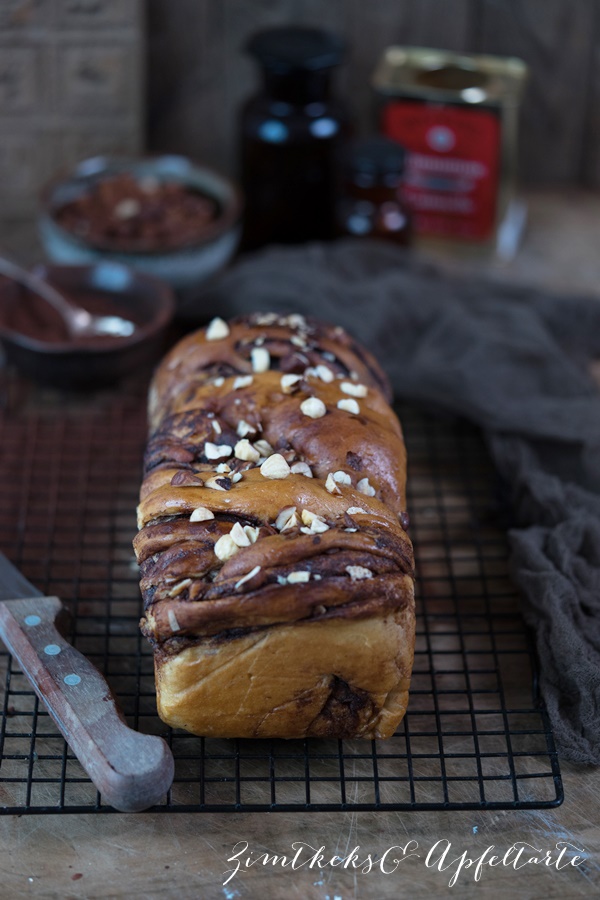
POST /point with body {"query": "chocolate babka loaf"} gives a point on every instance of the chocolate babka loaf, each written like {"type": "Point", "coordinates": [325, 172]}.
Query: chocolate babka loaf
{"type": "Point", "coordinates": [276, 572]}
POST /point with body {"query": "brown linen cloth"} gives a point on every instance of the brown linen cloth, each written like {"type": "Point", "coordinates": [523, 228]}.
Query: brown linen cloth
{"type": "Point", "coordinates": [512, 360]}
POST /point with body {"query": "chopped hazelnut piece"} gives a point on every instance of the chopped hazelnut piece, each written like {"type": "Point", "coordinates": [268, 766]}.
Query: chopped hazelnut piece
{"type": "Point", "coordinates": [184, 478]}
{"type": "Point", "coordinates": [216, 451]}
{"type": "Point", "coordinates": [127, 208]}
{"type": "Point", "coordinates": [179, 588]}
{"type": "Point", "coordinates": [350, 406]}
{"type": "Point", "coordinates": [298, 577]}
{"type": "Point", "coordinates": [286, 519]}
{"type": "Point", "coordinates": [324, 373]}
{"type": "Point", "coordinates": [201, 514]}
{"type": "Point", "coordinates": [275, 467]}
{"type": "Point", "coordinates": [315, 524]}
{"type": "Point", "coordinates": [217, 330]}
{"type": "Point", "coordinates": [318, 526]}
{"type": "Point", "coordinates": [244, 450]}
{"type": "Point", "coordinates": [247, 577]}
{"type": "Point", "coordinates": [354, 390]}
{"type": "Point", "coordinates": [353, 510]}
{"type": "Point", "coordinates": [251, 533]}
{"type": "Point", "coordinates": [239, 536]}
{"type": "Point", "coordinates": [225, 547]}
{"type": "Point", "coordinates": [288, 382]}
{"type": "Point", "coordinates": [302, 468]}
{"type": "Point", "coordinates": [296, 320]}
{"type": "Point", "coordinates": [242, 381]}
{"type": "Point", "coordinates": [265, 318]}
{"type": "Point", "coordinates": [244, 428]}
{"type": "Point", "coordinates": [218, 483]}
{"type": "Point", "coordinates": [261, 359]}
{"type": "Point", "coordinates": [331, 486]}
{"type": "Point", "coordinates": [365, 488]}
{"type": "Point", "coordinates": [357, 573]}
{"type": "Point", "coordinates": [264, 447]}
{"type": "Point", "coordinates": [173, 620]}
{"type": "Point", "coordinates": [342, 477]}
{"type": "Point", "coordinates": [313, 407]}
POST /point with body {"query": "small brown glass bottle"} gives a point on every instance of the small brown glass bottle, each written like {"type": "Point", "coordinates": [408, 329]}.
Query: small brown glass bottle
{"type": "Point", "coordinates": [370, 205]}
{"type": "Point", "coordinates": [291, 133]}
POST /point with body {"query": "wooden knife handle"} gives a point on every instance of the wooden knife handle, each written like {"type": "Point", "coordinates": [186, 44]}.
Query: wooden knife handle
{"type": "Point", "coordinates": [132, 771]}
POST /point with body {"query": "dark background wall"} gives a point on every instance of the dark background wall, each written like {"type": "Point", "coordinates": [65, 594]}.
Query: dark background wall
{"type": "Point", "coordinates": [198, 75]}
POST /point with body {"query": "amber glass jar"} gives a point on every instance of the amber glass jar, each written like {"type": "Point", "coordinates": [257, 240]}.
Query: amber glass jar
{"type": "Point", "coordinates": [371, 204]}
{"type": "Point", "coordinates": [291, 132]}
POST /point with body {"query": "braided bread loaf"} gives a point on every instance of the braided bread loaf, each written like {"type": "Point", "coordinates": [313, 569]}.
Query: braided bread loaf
{"type": "Point", "coordinates": [275, 570]}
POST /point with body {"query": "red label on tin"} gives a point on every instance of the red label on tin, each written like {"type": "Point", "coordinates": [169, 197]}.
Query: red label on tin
{"type": "Point", "coordinates": [451, 180]}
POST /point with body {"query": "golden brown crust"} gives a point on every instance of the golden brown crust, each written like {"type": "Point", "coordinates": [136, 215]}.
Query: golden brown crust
{"type": "Point", "coordinates": [319, 679]}
{"type": "Point", "coordinates": [238, 564]}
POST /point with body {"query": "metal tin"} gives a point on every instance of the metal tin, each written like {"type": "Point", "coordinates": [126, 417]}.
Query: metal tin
{"type": "Point", "coordinates": [457, 115]}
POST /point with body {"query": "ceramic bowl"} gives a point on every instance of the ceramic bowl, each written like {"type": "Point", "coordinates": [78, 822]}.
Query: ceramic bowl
{"type": "Point", "coordinates": [147, 300]}
{"type": "Point", "coordinates": [182, 268]}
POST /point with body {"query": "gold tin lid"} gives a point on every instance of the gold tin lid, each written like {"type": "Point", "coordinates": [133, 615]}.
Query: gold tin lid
{"type": "Point", "coordinates": [443, 76]}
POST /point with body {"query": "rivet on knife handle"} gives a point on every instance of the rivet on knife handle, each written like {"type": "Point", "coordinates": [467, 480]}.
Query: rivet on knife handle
{"type": "Point", "coordinates": [132, 771]}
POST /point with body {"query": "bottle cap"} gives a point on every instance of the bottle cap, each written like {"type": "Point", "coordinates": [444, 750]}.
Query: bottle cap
{"type": "Point", "coordinates": [375, 159]}
{"type": "Point", "coordinates": [289, 49]}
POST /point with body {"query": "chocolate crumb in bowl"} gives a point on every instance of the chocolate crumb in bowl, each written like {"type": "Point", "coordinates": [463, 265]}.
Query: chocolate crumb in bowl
{"type": "Point", "coordinates": [165, 216]}
{"type": "Point", "coordinates": [36, 339]}
{"type": "Point", "coordinates": [32, 316]}
{"type": "Point", "coordinates": [139, 214]}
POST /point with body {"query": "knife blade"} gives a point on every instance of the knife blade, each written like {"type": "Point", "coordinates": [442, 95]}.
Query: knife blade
{"type": "Point", "coordinates": [132, 771]}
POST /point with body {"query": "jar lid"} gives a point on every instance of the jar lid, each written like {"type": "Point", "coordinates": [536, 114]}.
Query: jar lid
{"type": "Point", "coordinates": [289, 49]}
{"type": "Point", "coordinates": [376, 156]}
{"type": "Point", "coordinates": [441, 76]}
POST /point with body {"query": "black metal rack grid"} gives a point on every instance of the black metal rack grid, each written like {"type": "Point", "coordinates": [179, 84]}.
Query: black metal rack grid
{"type": "Point", "coordinates": [476, 735]}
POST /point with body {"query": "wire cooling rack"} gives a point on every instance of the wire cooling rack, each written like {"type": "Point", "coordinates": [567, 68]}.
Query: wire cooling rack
{"type": "Point", "coordinates": [476, 735]}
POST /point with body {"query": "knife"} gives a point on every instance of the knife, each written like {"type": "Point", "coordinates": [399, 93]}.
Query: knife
{"type": "Point", "coordinates": [132, 771]}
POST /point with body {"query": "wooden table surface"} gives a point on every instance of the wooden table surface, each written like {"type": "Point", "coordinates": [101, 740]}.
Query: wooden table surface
{"type": "Point", "coordinates": [186, 855]}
